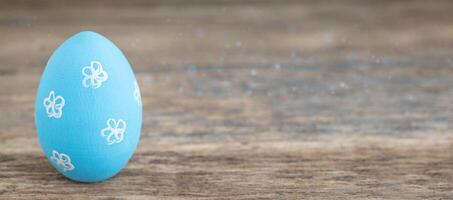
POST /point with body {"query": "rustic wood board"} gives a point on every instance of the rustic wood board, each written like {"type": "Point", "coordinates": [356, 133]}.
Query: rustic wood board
{"type": "Point", "coordinates": [250, 99]}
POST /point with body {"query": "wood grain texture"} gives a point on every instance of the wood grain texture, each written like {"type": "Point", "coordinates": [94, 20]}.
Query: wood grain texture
{"type": "Point", "coordinates": [250, 99]}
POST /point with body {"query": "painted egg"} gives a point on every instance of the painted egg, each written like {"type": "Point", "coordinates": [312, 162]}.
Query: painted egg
{"type": "Point", "coordinates": [88, 110]}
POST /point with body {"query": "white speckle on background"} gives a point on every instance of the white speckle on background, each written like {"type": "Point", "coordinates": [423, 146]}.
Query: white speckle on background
{"type": "Point", "coordinates": [410, 97]}
{"type": "Point", "coordinates": [269, 93]}
{"type": "Point", "coordinates": [180, 89]}
{"type": "Point", "coordinates": [328, 38]}
{"type": "Point", "coordinates": [199, 33]}
{"type": "Point", "coordinates": [344, 85]}
{"type": "Point", "coordinates": [238, 44]}
{"type": "Point", "coordinates": [148, 80]}
{"type": "Point", "coordinates": [253, 72]}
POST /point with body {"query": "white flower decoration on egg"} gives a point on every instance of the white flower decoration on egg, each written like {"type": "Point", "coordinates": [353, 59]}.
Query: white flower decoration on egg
{"type": "Point", "coordinates": [54, 105]}
{"type": "Point", "coordinates": [94, 75]}
{"type": "Point", "coordinates": [114, 132]}
{"type": "Point", "coordinates": [62, 161]}
{"type": "Point", "coordinates": [137, 95]}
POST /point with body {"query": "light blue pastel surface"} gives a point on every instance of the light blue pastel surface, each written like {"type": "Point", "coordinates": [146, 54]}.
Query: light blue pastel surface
{"type": "Point", "coordinates": [88, 109]}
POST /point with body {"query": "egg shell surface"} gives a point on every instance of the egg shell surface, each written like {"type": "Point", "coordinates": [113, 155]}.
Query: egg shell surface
{"type": "Point", "coordinates": [88, 109]}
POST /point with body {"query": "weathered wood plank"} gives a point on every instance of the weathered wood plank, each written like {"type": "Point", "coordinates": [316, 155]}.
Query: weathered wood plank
{"type": "Point", "coordinates": [250, 99]}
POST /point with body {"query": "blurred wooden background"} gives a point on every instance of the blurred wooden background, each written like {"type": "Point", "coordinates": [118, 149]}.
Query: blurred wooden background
{"type": "Point", "coordinates": [252, 99]}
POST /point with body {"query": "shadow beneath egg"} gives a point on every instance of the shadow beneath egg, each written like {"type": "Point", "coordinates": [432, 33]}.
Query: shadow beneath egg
{"type": "Point", "coordinates": [27, 168]}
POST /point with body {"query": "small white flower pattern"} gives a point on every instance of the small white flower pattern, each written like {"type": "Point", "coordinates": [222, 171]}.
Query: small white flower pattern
{"type": "Point", "coordinates": [54, 105]}
{"type": "Point", "coordinates": [62, 161]}
{"type": "Point", "coordinates": [137, 95]}
{"type": "Point", "coordinates": [114, 132]}
{"type": "Point", "coordinates": [94, 75]}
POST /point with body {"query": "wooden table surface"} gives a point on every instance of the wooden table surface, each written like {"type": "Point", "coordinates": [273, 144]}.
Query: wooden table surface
{"type": "Point", "coordinates": [252, 99]}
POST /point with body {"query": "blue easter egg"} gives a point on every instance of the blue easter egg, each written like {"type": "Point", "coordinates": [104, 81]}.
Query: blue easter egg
{"type": "Point", "coordinates": [88, 110]}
